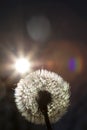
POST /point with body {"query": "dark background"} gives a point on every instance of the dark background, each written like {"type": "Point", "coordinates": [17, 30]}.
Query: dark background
{"type": "Point", "coordinates": [64, 51]}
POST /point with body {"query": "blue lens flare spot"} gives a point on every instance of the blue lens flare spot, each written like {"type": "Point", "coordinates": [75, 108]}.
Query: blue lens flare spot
{"type": "Point", "coordinates": [75, 64]}
{"type": "Point", "coordinates": [72, 64]}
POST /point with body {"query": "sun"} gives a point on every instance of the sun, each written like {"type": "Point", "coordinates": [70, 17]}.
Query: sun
{"type": "Point", "coordinates": [22, 65]}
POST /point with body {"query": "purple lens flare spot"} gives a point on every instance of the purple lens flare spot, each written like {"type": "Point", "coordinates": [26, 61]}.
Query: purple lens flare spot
{"type": "Point", "coordinates": [72, 64]}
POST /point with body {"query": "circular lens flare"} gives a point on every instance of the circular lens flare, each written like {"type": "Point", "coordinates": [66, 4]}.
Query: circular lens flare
{"type": "Point", "coordinates": [75, 64]}
{"type": "Point", "coordinates": [22, 65]}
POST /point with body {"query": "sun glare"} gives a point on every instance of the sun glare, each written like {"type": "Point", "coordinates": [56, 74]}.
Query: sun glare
{"type": "Point", "coordinates": [22, 65]}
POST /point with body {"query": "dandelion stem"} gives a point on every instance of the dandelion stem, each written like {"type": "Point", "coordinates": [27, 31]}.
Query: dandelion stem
{"type": "Point", "coordinates": [48, 125]}
{"type": "Point", "coordinates": [44, 98]}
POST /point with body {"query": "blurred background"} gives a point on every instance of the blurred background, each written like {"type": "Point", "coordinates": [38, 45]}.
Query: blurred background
{"type": "Point", "coordinates": [49, 35]}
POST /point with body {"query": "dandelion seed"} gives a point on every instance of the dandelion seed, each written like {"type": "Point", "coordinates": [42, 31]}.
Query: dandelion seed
{"type": "Point", "coordinates": [33, 88]}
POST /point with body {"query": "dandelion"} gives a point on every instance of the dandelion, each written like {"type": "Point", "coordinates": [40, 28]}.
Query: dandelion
{"type": "Point", "coordinates": [42, 94]}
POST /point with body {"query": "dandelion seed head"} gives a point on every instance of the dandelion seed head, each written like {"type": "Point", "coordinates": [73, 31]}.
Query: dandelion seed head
{"type": "Point", "coordinates": [27, 90]}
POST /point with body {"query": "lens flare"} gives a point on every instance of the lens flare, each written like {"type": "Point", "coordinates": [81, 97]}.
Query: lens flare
{"type": "Point", "coordinates": [39, 28]}
{"type": "Point", "coordinates": [75, 64]}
